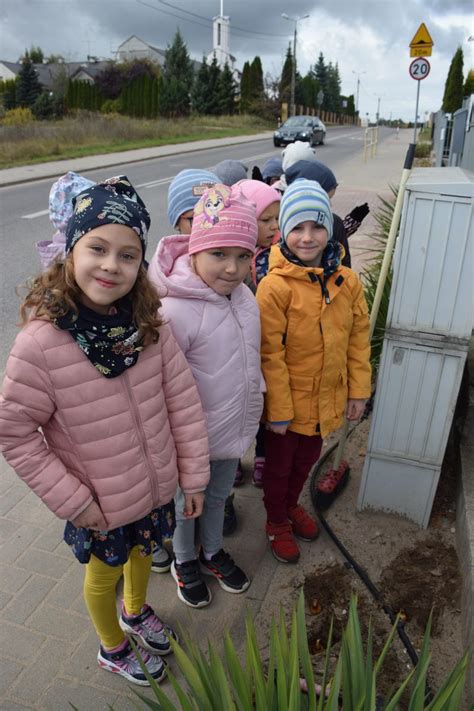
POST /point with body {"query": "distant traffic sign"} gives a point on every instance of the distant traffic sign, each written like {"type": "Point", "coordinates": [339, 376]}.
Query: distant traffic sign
{"type": "Point", "coordinates": [419, 68]}
{"type": "Point", "coordinates": [421, 44]}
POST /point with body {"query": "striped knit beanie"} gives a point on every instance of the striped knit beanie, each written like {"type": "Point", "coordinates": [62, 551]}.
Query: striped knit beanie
{"type": "Point", "coordinates": [305, 200]}
{"type": "Point", "coordinates": [223, 217]}
{"type": "Point", "coordinates": [185, 190]}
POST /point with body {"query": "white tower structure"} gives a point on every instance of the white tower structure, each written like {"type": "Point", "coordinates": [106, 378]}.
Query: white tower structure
{"type": "Point", "coordinates": [220, 40]}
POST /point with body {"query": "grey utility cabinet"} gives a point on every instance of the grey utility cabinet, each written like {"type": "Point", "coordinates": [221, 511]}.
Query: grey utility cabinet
{"type": "Point", "coordinates": [429, 325]}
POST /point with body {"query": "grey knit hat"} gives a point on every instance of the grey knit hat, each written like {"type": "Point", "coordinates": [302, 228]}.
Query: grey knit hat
{"type": "Point", "coordinates": [230, 171]}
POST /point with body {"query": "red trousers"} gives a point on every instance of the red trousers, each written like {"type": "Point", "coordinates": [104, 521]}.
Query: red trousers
{"type": "Point", "coordinates": [288, 461]}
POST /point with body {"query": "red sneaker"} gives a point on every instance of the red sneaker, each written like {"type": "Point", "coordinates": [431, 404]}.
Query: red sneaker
{"type": "Point", "coordinates": [284, 547]}
{"type": "Point", "coordinates": [303, 525]}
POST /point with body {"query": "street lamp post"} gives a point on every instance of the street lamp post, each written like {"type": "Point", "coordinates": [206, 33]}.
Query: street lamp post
{"type": "Point", "coordinates": [293, 67]}
{"type": "Point", "coordinates": [358, 75]}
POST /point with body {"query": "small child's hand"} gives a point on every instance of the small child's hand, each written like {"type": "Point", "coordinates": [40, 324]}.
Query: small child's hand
{"type": "Point", "coordinates": [355, 409]}
{"type": "Point", "coordinates": [91, 517]}
{"type": "Point", "coordinates": [277, 429]}
{"type": "Point", "coordinates": [193, 504]}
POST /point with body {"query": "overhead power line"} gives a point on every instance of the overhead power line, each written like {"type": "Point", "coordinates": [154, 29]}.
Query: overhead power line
{"type": "Point", "coordinates": [201, 19]}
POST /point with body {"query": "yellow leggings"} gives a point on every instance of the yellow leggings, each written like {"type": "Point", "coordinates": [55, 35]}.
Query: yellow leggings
{"type": "Point", "coordinates": [99, 593]}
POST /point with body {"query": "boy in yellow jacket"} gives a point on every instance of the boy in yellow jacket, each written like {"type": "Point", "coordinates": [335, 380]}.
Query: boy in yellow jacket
{"type": "Point", "coordinates": [315, 357]}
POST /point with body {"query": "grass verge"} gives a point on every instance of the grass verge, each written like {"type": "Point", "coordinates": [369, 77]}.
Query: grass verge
{"type": "Point", "coordinates": [89, 134]}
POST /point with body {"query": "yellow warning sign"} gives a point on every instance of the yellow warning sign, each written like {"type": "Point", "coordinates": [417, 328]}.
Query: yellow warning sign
{"type": "Point", "coordinates": [421, 44]}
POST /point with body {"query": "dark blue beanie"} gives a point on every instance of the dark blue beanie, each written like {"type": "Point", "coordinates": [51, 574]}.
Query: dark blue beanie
{"type": "Point", "coordinates": [312, 170]}
{"type": "Point", "coordinates": [114, 201]}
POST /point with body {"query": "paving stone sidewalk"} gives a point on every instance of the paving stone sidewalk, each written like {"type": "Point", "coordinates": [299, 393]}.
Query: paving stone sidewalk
{"type": "Point", "coordinates": [47, 645]}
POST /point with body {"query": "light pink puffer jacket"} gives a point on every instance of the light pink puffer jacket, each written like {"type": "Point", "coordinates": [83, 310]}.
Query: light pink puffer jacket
{"type": "Point", "coordinates": [123, 441]}
{"type": "Point", "coordinates": [220, 338]}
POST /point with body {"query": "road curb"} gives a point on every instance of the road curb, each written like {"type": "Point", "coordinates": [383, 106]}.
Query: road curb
{"type": "Point", "coordinates": [53, 169]}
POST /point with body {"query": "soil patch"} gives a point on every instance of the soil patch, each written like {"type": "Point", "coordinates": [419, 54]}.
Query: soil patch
{"type": "Point", "coordinates": [417, 571]}
{"type": "Point", "coordinates": [422, 579]}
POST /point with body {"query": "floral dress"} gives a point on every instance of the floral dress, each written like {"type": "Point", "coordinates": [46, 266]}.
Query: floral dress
{"type": "Point", "coordinates": [113, 547]}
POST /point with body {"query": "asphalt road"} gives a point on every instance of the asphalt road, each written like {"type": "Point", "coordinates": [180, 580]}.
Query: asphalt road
{"type": "Point", "coordinates": [24, 215]}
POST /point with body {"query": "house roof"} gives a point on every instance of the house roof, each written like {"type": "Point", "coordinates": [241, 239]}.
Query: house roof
{"type": "Point", "coordinates": [48, 72]}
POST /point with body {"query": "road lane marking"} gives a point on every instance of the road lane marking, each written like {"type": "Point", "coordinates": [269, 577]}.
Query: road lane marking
{"type": "Point", "coordinates": [32, 215]}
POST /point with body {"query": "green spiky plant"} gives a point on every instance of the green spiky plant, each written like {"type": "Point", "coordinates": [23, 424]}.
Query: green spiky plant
{"type": "Point", "coordinates": [371, 272]}
{"type": "Point", "coordinates": [218, 682]}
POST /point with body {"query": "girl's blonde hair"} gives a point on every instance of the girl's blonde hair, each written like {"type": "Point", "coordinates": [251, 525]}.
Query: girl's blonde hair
{"type": "Point", "coordinates": [55, 292]}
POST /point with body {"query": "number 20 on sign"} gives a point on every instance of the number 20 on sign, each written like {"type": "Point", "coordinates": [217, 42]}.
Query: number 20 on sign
{"type": "Point", "coordinates": [419, 68]}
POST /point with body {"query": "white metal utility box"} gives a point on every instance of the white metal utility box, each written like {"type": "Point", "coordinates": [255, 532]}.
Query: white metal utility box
{"type": "Point", "coordinates": [432, 291]}
{"type": "Point", "coordinates": [428, 329]}
{"type": "Point", "coordinates": [416, 396]}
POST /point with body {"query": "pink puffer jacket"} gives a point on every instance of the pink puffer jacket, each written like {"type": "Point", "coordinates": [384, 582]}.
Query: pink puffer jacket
{"type": "Point", "coordinates": [123, 441]}
{"type": "Point", "coordinates": [220, 338]}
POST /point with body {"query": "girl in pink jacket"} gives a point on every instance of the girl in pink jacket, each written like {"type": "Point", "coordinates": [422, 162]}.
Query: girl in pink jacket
{"type": "Point", "coordinates": [100, 416]}
{"type": "Point", "coordinates": [215, 319]}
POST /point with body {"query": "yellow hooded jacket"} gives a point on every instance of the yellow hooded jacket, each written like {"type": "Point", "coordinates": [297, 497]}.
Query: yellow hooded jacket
{"type": "Point", "coordinates": [315, 346]}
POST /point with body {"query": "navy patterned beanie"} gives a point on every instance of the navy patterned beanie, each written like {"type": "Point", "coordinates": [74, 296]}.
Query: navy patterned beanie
{"type": "Point", "coordinates": [114, 201]}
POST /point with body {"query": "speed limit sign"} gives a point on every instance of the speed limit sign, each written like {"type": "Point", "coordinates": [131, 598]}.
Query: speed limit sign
{"type": "Point", "coordinates": [419, 68]}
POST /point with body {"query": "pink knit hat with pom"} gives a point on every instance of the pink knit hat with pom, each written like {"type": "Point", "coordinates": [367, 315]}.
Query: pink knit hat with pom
{"type": "Point", "coordinates": [260, 193]}
{"type": "Point", "coordinates": [223, 217]}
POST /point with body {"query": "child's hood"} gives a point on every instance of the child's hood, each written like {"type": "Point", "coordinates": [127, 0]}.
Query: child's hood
{"type": "Point", "coordinates": [170, 270]}
{"type": "Point", "coordinates": [278, 264]}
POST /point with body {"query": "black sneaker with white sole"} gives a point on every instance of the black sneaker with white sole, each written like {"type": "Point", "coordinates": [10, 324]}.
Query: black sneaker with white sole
{"type": "Point", "coordinates": [192, 590]}
{"type": "Point", "coordinates": [126, 664]}
{"type": "Point", "coordinates": [229, 576]}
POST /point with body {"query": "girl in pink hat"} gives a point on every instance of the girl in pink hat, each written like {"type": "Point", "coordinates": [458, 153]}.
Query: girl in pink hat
{"type": "Point", "coordinates": [215, 319]}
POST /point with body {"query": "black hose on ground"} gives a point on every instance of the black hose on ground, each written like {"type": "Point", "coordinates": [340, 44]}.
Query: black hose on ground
{"type": "Point", "coordinates": [361, 572]}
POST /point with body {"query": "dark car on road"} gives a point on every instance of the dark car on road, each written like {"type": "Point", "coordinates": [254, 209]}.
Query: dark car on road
{"type": "Point", "coordinates": [300, 128]}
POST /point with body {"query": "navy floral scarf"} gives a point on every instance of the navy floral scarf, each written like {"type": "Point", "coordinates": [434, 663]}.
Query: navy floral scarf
{"type": "Point", "coordinates": [111, 342]}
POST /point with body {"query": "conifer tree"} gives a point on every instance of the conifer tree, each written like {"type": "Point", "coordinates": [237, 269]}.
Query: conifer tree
{"type": "Point", "coordinates": [308, 89]}
{"type": "Point", "coordinates": [177, 79]}
{"type": "Point", "coordinates": [226, 91]}
{"type": "Point", "coordinates": [256, 80]}
{"type": "Point", "coordinates": [28, 86]}
{"type": "Point", "coordinates": [332, 94]}
{"type": "Point", "coordinates": [468, 87]}
{"type": "Point", "coordinates": [321, 74]}
{"type": "Point", "coordinates": [285, 80]}
{"type": "Point", "coordinates": [214, 76]}
{"type": "Point", "coordinates": [453, 89]}
{"type": "Point", "coordinates": [245, 89]}
{"type": "Point", "coordinates": [200, 95]}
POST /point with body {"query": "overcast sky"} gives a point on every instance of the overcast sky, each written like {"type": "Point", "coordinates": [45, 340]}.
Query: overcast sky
{"type": "Point", "coordinates": [368, 37]}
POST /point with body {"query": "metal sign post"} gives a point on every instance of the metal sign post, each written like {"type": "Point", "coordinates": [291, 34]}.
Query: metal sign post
{"type": "Point", "coordinates": [419, 69]}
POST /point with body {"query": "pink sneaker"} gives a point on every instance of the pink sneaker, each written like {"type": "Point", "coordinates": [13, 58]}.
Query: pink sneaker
{"type": "Point", "coordinates": [259, 463]}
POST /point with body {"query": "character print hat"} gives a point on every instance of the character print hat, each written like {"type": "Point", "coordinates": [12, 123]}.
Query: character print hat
{"type": "Point", "coordinates": [260, 193]}
{"type": "Point", "coordinates": [312, 170]}
{"type": "Point", "coordinates": [299, 150]}
{"type": "Point", "coordinates": [113, 201]}
{"type": "Point", "coordinates": [230, 172]}
{"type": "Point", "coordinates": [60, 210]}
{"type": "Point", "coordinates": [185, 190]}
{"type": "Point", "coordinates": [272, 168]}
{"type": "Point", "coordinates": [223, 217]}
{"type": "Point", "coordinates": [305, 200]}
